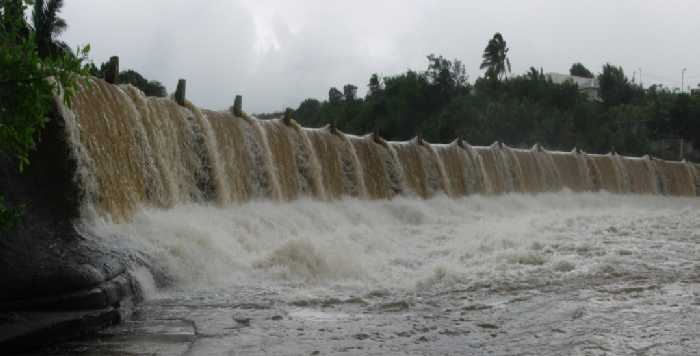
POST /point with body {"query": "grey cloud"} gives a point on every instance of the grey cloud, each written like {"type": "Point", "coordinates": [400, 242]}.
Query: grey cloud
{"type": "Point", "coordinates": [276, 52]}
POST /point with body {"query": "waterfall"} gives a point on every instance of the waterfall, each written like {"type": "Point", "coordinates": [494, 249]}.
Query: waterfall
{"type": "Point", "coordinates": [574, 172]}
{"type": "Point", "coordinates": [135, 151]}
{"type": "Point", "coordinates": [641, 175]}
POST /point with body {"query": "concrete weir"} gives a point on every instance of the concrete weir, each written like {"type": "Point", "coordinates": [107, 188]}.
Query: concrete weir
{"type": "Point", "coordinates": [64, 273]}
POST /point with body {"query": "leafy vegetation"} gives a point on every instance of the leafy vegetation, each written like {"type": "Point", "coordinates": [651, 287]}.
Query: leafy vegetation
{"type": "Point", "coordinates": [495, 57]}
{"type": "Point", "coordinates": [32, 70]}
{"type": "Point", "coordinates": [440, 104]}
{"type": "Point", "coordinates": [579, 70]}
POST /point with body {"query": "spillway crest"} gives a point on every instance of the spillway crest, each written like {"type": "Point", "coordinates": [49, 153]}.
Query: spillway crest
{"type": "Point", "coordinates": [134, 151]}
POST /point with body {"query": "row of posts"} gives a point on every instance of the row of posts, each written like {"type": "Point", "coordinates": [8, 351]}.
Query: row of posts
{"type": "Point", "coordinates": [112, 77]}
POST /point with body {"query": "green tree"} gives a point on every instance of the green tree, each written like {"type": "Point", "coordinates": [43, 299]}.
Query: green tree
{"type": "Point", "coordinates": [335, 96]}
{"type": "Point", "coordinates": [130, 76]}
{"type": "Point", "coordinates": [12, 22]}
{"type": "Point", "coordinates": [448, 76]}
{"type": "Point", "coordinates": [28, 84]}
{"type": "Point", "coordinates": [48, 26]}
{"type": "Point", "coordinates": [495, 58]}
{"type": "Point", "coordinates": [579, 70]}
{"type": "Point", "coordinates": [375, 85]}
{"type": "Point", "coordinates": [148, 87]}
{"type": "Point", "coordinates": [615, 88]}
{"type": "Point", "coordinates": [349, 92]}
{"type": "Point", "coordinates": [309, 113]}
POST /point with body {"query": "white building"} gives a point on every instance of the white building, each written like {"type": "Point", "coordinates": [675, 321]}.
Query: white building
{"type": "Point", "coordinates": [589, 86]}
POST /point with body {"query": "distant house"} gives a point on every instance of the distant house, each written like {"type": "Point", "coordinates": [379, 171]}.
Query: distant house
{"type": "Point", "coordinates": [589, 86]}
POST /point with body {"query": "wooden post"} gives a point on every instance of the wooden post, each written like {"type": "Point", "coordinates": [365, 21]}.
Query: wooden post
{"type": "Point", "coordinates": [112, 73]}
{"type": "Point", "coordinates": [238, 106]}
{"type": "Point", "coordinates": [287, 119]}
{"type": "Point", "coordinates": [180, 92]}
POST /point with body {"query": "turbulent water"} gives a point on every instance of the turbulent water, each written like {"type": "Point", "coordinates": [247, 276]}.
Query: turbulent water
{"type": "Point", "coordinates": [264, 237]}
{"type": "Point", "coordinates": [555, 273]}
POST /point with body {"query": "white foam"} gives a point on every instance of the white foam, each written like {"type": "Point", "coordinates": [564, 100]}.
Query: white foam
{"type": "Point", "coordinates": [410, 243]}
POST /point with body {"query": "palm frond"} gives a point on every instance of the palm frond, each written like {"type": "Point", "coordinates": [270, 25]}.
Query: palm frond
{"type": "Point", "coordinates": [59, 26]}
{"type": "Point", "coordinates": [38, 14]}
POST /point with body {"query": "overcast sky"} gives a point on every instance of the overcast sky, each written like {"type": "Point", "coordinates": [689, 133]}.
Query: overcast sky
{"type": "Point", "coordinates": [279, 52]}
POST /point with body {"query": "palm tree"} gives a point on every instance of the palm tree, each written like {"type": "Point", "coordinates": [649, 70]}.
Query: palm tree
{"type": "Point", "coordinates": [47, 27]}
{"type": "Point", "coordinates": [496, 60]}
{"type": "Point", "coordinates": [12, 19]}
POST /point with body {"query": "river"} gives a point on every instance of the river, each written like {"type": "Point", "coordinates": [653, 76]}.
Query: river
{"type": "Point", "coordinates": [517, 274]}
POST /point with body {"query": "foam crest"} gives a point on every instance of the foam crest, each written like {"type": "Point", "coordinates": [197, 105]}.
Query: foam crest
{"type": "Point", "coordinates": [404, 243]}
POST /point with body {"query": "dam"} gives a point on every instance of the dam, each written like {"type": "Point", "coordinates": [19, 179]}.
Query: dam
{"type": "Point", "coordinates": [135, 152]}
{"type": "Point", "coordinates": [253, 236]}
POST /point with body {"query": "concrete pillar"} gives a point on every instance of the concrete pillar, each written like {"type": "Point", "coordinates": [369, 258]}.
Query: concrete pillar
{"type": "Point", "coordinates": [180, 92]}
{"type": "Point", "coordinates": [238, 106]}
{"type": "Point", "coordinates": [112, 73]}
{"type": "Point", "coordinates": [461, 143]}
{"type": "Point", "coordinates": [378, 139]}
{"type": "Point", "coordinates": [332, 128]}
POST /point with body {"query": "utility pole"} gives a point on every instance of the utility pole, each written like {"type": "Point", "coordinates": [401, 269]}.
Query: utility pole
{"type": "Point", "coordinates": [641, 84]}
{"type": "Point", "coordinates": [683, 79]}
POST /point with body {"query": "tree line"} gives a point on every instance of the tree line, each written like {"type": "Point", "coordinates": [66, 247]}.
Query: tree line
{"type": "Point", "coordinates": [441, 104]}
